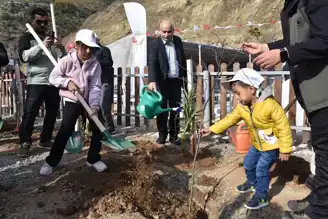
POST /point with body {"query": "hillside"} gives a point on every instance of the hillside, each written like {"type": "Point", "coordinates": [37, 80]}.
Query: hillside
{"type": "Point", "coordinates": [108, 19]}
{"type": "Point", "coordinates": [111, 23]}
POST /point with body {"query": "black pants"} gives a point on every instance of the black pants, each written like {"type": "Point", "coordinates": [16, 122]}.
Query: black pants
{"type": "Point", "coordinates": [36, 94]}
{"type": "Point", "coordinates": [318, 199]}
{"type": "Point", "coordinates": [71, 113]}
{"type": "Point", "coordinates": [171, 91]}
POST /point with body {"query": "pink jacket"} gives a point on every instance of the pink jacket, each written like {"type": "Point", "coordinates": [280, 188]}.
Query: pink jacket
{"type": "Point", "coordinates": [86, 77]}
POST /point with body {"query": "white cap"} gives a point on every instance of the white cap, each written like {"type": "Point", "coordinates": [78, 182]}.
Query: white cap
{"type": "Point", "coordinates": [87, 37]}
{"type": "Point", "coordinates": [247, 76]}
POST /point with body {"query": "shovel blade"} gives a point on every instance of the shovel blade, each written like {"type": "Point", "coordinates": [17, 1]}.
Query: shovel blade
{"type": "Point", "coordinates": [116, 143]}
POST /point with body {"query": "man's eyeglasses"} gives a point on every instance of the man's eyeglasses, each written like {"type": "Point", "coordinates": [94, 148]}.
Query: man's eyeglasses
{"type": "Point", "coordinates": [40, 22]}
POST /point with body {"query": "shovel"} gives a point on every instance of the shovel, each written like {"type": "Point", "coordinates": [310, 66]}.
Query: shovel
{"type": "Point", "coordinates": [108, 140]}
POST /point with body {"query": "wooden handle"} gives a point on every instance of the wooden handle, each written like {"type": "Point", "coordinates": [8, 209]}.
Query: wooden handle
{"type": "Point", "coordinates": [43, 47]}
{"type": "Point", "coordinates": [89, 111]}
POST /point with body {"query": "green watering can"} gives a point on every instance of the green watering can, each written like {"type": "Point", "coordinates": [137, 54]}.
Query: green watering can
{"type": "Point", "coordinates": [75, 143]}
{"type": "Point", "coordinates": [150, 104]}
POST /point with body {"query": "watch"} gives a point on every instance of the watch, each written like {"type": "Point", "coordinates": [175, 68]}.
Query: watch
{"type": "Point", "coordinates": [284, 55]}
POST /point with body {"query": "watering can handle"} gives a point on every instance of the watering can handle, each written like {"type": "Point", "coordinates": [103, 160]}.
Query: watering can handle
{"type": "Point", "coordinates": [157, 94]}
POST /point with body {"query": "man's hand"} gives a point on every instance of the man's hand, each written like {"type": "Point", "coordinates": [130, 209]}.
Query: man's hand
{"type": "Point", "coordinates": [254, 48]}
{"type": "Point", "coordinates": [58, 44]}
{"type": "Point", "coordinates": [73, 87]}
{"type": "Point", "coordinates": [152, 86]}
{"type": "Point", "coordinates": [284, 157]}
{"type": "Point", "coordinates": [268, 59]}
{"type": "Point", "coordinates": [205, 132]}
{"type": "Point", "coordinates": [48, 42]}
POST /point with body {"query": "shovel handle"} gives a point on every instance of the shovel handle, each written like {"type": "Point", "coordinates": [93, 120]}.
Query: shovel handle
{"type": "Point", "coordinates": [89, 111]}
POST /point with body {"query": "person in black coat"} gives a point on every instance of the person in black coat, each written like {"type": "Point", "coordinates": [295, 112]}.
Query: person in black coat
{"type": "Point", "coordinates": [3, 55]}
{"type": "Point", "coordinates": [305, 48]}
{"type": "Point", "coordinates": [167, 73]}
{"type": "Point", "coordinates": [104, 57]}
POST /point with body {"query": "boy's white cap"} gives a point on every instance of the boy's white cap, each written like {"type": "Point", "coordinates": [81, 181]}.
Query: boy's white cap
{"type": "Point", "coordinates": [247, 76]}
{"type": "Point", "coordinates": [87, 37]}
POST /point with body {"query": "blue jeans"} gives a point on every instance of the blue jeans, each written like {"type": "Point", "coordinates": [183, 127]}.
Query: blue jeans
{"type": "Point", "coordinates": [257, 165]}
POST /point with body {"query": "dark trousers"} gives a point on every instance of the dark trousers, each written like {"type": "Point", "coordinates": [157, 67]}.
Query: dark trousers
{"type": "Point", "coordinates": [36, 94]}
{"type": "Point", "coordinates": [318, 199]}
{"type": "Point", "coordinates": [71, 113]}
{"type": "Point", "coordinates": [257, 165]}
{"type": "Point", "coordinates": [107, 94]}
{"type": "Point", "coordinates": [171, 91]}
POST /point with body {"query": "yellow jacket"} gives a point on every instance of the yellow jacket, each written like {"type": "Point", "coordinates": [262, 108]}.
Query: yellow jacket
{"type": "Point", "coordinates": [266, 122]}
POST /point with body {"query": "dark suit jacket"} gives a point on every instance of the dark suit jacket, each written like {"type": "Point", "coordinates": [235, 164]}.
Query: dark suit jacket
{"type": "Point", "coordinates": [158, 62]}
{"type": "Point", "coordinates": [3, 55]}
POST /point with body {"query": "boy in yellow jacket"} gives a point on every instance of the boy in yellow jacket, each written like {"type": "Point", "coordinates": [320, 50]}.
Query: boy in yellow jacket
{"type": "Point", "coordinates": [268, 127]}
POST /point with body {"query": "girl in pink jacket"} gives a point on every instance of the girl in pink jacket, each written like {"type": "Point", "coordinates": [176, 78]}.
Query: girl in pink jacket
{"type": "Point", "coordinates": [78, 71]}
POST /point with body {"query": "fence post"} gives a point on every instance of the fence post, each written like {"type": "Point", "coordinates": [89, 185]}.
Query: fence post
{"type": "Point", "coordinates": [212, 93]}
{"type": "Point", "coordinates": [136, 95]}
{"type": "Point", "coordinates": [128, 97]}
{"type": "Point", "coordinates": [223, 93]}
{"type": "Point", "coordinates": [20, 91]}
{"type": "Point", "coordinates": [236, 67]}
{"type": "Point", "coordinates": [199, 95]}
{"type": "Point", "coordinates": [207, 92]}
{"type": "Point", "coordinates": [119, 97]}
{"type": "Point", "coordinates": [145, 82]}
{"type": "Point", "coordinates": [190, 74]}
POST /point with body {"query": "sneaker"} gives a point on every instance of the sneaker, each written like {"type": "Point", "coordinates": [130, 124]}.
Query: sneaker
{"type": "Point", "coordinates": [45, 144]}
{"type": "Point", "coordinates": [245, 188]}
{"type": "Point", "coordinates": [160, 141]}
{"type": "Point", "coordinates": [298, 205]}
{"type": "Point", "coordinates": [175, 141]}
{"type": "Point", "coordinates": [295, 215]}
{"type": "Point", "coordinates": [256, 203]}
{"type": "Point", "coordinates": [46, 169]}
{"type": "Point", "coordinates": [24, 150]}
{"type": "Point", "coordinates": [99, 166]}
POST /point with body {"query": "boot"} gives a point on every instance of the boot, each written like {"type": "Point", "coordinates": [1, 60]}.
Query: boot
{"type": "Point", "coordinates": [298, 205]}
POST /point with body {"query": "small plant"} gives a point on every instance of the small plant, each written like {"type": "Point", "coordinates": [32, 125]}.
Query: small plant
{"type": "Point", "coordinates": [255, 32]}
{"type": "Point", "coordinates": [189, 115]}
{"type": "Point", "coordinates": [188, 2]}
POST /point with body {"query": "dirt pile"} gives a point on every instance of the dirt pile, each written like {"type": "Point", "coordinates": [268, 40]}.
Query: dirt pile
{"type": "Point", "coordinates": [143, 191]}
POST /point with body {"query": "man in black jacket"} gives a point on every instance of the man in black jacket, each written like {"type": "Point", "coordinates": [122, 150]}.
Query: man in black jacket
{"type": "Point", "coordinates": [3, 55]}
{"type": "Point", "coordinates": [305, 48]}
{"type": "Point", "coordinates": [167, 73]}
{"type": "Point", "coordinates": [104, 57]}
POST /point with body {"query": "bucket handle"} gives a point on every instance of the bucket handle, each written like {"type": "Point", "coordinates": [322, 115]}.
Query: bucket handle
{"type": "Point", "coordinates": [152, 93]}
{"type": "Point", "coordinates": [241, 127]}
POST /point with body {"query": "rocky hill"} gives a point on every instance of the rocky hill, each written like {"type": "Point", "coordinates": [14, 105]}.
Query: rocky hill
{"type": "Point", "coordinates": [108, 19]}
{"type": "Point", "coordinates": [111, 23]}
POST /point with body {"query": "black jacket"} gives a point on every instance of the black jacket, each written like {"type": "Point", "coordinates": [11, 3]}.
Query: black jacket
{"type": "Point", "coordinates": [3, 55]}
{"type": "Point", "coordinates": [305, 32]}
{"type": "Point", "coordinates": [158, 63]}
{"type": "Point", "coordinates": [104, 57]}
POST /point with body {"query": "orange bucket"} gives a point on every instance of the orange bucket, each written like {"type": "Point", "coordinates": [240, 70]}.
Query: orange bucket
{"type": "Point", "coordinates": [241, 139]}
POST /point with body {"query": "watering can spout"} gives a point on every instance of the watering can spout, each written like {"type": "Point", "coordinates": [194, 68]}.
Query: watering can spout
{"type": "Point", "coordinates": [161, 110]}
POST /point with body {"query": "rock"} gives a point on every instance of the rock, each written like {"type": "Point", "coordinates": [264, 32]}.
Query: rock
{"type": "Point", "coordinates": [40, 204]}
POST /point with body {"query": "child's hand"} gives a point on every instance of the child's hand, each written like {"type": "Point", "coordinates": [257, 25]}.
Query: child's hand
{"type": "Point", "coordinates": [205, 132]}
{"type": "Point", "coordinates": [284, 157]}
{"type": "Point", "coordinates": [73, 87]}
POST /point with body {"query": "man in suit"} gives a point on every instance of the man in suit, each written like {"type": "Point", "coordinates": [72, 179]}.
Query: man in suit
{"type": "Point", "coordinates": [167, 73]}
{"type": "Point", "coordinates": [305, 49]}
